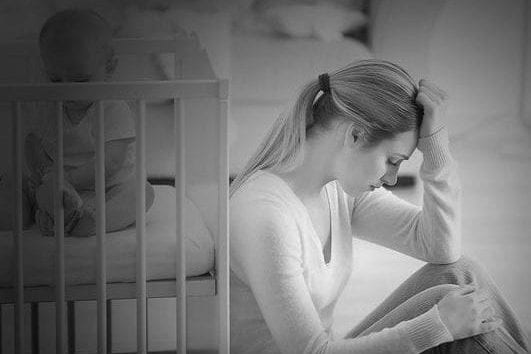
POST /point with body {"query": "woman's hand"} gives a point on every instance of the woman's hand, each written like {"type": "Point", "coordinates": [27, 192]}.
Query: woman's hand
{"type": "Point", "coordinates": [434, 102]}
{"type": "Point", "coordinates": [467, 312]}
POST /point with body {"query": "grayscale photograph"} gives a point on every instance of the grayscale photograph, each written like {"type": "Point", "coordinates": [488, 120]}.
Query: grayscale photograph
{"type": "Point", "coordinates": [265, 176]}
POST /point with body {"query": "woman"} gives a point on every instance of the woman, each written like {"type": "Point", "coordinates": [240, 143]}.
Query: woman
{"type": "Point", "coordinates": [315, 183]}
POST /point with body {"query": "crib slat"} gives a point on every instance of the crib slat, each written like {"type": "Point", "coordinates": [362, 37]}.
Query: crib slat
{"type": "Point", "coordinates": [17, 227]}
{"type": "Point", "coordinates": [222, 249]}
{"type": "Point", "coordinates": [141, 227]}
{"type": "Point", "coordinates": [60, 329]}
{"type": "Point", "coordinates": [100, 232]}
{"type": "Point", "coordinates": [180, 271]}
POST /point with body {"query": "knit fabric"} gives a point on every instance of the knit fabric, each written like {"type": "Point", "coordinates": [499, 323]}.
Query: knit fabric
{"type": "Point", "coordinates": [283, 293]}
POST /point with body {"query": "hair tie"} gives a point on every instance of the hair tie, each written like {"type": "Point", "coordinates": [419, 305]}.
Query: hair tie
{"type": "Point", "coordinates": [324, 83]}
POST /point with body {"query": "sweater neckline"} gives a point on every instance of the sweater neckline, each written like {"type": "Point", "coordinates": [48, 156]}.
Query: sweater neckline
{"type": "Point", "coordinates": [301, 205]}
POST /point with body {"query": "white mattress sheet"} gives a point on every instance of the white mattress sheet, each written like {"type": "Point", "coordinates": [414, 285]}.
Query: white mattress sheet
{"type": "Point", "coordinates": [120, 248]}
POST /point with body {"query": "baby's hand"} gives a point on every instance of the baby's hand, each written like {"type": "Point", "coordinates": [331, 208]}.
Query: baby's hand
{"type": "Point", "coordinates": [434, 102]}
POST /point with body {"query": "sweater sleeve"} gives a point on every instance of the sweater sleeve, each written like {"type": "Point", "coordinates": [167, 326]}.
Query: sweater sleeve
{"type": "Point", "coordinates": [266, 254]}
{"type": "Point", "coordinates": [431, 233]}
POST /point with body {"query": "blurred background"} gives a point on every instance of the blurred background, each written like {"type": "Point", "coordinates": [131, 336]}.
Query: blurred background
{"type": "Point", "coordinates": [479, 51]}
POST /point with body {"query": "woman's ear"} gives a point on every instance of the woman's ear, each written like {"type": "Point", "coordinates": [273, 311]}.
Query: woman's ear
{"type": "Point", "coordinates": [352, 136]}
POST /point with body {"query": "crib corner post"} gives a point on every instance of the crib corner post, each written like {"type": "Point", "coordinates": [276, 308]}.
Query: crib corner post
{"type": "Point", "coordinates": [223, 246]}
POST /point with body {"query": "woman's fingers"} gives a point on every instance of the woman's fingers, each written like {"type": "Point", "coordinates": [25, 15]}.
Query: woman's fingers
{"type": "Point", "coordinates": [487, 312]}
{"type": "Point", "coordinates": [431, 87]}
{"type": "Point", "coordinates": [466, 289]}
{"type": "Point", "coordinates": [483, 296]}
{"type": "Point", "coordinates": [432, 100]}
{"type": "Point", "coordinates": [490, 325]}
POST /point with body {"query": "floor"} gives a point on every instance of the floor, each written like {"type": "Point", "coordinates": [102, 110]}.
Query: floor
{"type": "Point", "coordinates": [494, 167]}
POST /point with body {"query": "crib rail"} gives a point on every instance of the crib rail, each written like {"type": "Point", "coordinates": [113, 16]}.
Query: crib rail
{"type": "Point", "coordinates": [145, 90]}
{"type": "Point", "coordinates": [30, 48]}
{"type": "Point", "coordinates": [179, 91]}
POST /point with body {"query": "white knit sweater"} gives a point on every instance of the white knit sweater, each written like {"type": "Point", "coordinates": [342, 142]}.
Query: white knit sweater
{"type": "Point", "coordinates": [283, 293]}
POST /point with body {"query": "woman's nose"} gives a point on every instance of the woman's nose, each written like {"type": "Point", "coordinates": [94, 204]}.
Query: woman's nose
{"type": "Point", "coordinates": [390, 177]}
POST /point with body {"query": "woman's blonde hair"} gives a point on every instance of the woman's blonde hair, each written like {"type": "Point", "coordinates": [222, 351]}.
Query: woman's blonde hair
{"type": "Point", "coordinates": [377, 96]}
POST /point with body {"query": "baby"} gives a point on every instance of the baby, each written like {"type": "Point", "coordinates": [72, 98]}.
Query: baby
{"type": "Point", "coordinates": [75, 46]}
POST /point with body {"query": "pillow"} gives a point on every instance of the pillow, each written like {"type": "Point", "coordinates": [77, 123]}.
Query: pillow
{"type": "Point", "coordinates": [324, 21]}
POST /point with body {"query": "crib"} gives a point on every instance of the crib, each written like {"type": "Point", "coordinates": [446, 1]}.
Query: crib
{"type": "Point", "coordinates": [179, 91]}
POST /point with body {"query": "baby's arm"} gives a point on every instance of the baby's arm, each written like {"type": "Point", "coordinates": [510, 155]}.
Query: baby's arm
{"type": "Point", "coordinates": [116, 159]}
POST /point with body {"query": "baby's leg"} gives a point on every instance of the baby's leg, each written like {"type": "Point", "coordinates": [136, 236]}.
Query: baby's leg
{"type": "Point", "coordinates": [37, 160]}
{"type": "Point", "coordinates": [120, 208]}
{"type": "Point", "coordinates": [44, 215]}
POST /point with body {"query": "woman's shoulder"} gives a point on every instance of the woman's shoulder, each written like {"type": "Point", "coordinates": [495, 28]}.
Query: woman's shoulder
{"type": "Point", "coordinates": [262, 212]}
{"type": "Point", "coordinates": [263, 196]}
{"type": "Point", "coordinates": [261, 186]}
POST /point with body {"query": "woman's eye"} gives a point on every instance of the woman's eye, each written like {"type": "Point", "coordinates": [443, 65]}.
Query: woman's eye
{"type": "Point", "coordinates": [397, 163]}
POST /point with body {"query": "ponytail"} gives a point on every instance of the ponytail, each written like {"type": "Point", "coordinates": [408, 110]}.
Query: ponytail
{"type": "Point", "coordinates": [281, 148]}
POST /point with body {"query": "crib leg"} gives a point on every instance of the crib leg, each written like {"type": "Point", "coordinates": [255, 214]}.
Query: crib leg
{"type": "Point", "coordinates": [71, 313]}
{"type": "Point", "coordinates": [147, 325]}
{"type": "Point", "coordinates": [109, 326]}
{"type": "Point", "coordinates": [0, 328]}
{"type": "Point", "coordinates": [35, 328]}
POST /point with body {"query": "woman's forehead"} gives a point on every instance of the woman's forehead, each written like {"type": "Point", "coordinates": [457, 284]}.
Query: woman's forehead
{"type": "Point", "coordinates": [403, 143]}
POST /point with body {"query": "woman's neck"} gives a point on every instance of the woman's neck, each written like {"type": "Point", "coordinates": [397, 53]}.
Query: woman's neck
{"type": "Point", "coordinates": [308, 179]}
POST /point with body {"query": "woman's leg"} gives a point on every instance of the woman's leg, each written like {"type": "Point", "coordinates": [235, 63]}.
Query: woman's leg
{"type": "Point", "coordinates": [431, 283]}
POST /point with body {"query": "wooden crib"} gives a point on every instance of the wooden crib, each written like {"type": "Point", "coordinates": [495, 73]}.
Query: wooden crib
{"type": "Point", "coordinates": [103, 292]}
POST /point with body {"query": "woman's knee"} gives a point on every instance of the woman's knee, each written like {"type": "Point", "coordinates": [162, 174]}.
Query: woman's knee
{"type": "Point", "coordinates": [465, 270]}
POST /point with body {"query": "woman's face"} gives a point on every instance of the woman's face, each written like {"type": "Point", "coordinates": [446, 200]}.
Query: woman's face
{"type": "Point", "coordinates": [362, 169]}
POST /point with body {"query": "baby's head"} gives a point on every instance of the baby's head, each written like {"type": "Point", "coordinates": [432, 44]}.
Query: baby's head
{"type": "Point", "coordinates": [75, 46]}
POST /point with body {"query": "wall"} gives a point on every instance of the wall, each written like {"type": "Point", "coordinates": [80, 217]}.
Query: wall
{"type": "Point", "coordinates": [473, 49]}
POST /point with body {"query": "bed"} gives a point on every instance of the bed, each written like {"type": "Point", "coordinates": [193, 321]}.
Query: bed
{"type": "Point", "coordinates": [177, 251]}
{"type": "Point", "coordinates": [80, 264]}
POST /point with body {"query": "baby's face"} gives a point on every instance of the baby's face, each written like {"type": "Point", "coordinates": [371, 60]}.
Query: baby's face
{"type": "Point", "coordinates": [78, 63]}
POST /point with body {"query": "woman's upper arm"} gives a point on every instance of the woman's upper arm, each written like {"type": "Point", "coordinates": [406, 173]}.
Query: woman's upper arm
{"type": "Point", "coordinates": [383, 218]}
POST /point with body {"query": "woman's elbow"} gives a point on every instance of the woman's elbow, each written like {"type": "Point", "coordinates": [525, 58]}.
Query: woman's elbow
{"type": "Point", "coordinates": [449, 254]}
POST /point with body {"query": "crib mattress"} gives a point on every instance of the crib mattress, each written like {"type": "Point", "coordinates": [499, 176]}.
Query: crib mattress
{"type": "Point", "coordinates": [120, 248]}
